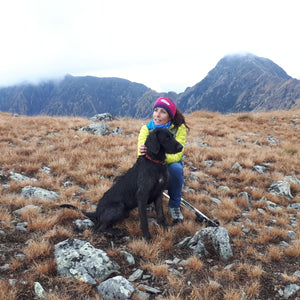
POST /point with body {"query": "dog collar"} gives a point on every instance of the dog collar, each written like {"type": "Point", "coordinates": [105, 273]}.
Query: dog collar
{"type": "Point", "coordinates": [155, 161]}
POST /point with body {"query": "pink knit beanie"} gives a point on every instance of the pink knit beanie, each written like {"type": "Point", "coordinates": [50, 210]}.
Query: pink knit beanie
{"type": "Point", "coordinates": [167, 104]}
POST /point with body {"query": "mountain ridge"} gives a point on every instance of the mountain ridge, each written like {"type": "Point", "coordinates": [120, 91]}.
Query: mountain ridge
{"type": "Point", "coordinates": [238, 83]}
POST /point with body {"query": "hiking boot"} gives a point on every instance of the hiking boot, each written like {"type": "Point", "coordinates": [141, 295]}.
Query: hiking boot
{"type": "Point", "coordinates": [176, 214]}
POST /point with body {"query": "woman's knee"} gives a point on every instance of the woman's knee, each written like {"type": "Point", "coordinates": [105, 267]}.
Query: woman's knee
{"type": "Point", "coordinates": [176, 170]}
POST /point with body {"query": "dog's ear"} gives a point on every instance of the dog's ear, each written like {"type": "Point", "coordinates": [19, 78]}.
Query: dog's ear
{"type": "Point", "coordinates": [152, 142]}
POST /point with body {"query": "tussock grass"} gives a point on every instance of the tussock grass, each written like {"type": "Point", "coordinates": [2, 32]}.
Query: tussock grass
{"type": "Point", "coordinates": [89, 164]}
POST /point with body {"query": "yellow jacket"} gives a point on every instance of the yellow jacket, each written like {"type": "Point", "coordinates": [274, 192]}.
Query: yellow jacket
{"type": "Point", "coordinates": [180, 137]}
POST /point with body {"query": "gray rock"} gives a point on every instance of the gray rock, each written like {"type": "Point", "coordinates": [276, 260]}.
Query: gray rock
{"type": "Point", "coordinates": [294, 206]}
{"type": "Point", "coordinates": [21, 226]}
{"type": "Point", "coordinates": [291, 234]}
{"type": "Point", "coordinates": [246, 196]}
{"type": "Point", "coordinates": [129, 257]}
{"type": "Point", "coordinates": [284, 244]}
{"type": "Point", "coordinates": [237, 166]}
{"type": "Point", "coordinates": [103, 117]}
{"type": "Point", "coordinates": [149, 289]}
{"type": "Point", "coordinates": [292, 179]}
{"type": "Point", "coordinates": [19, 177]}
{"type": "Point", "coordinates": [32, 191]}
{"type": "Point", "coordinates": [217, 237]}
{"type": "Point", "coordinates": [97, 129]}
{"type": "Point", "coordinates": [4, 267]}
{"type": "Point", "coordinates": [116, 288]}
{"type": "Point", "coordinates": [67, 183]}
{"type": "Point", "coordinates": [45, 169]}
{"type": "Point", "coordinates": [117, 131]}
{"type": "Point", "coordinates": [281, 188]}
{"type": "Point", "coordinates": [272, 140]}
{"type": "Point", "coordinates": [26, 208]}
{"type": "Point", "coordinates": [209, 163]}
{"type": "Point", "coordinates": [297, 274]}
{"type": "Point", "coordinates": [290, 290]}
{"type": "Point", "coordinates": [136, 275]}
{"type": "Point", "coordinates": [80, 260]}
{"type": "Point", "coordinates": [223, 188]}
{"type": "Point", "coordinates": [39, 291]}
{"type": "Point", "coordinates": [82, 225]}
{"type": "Point", "coordinates": [199, 144]}
{"type": "Point", "coordinates": [259, 169]}
{"type": "Point", "coordinates": [216, 200]}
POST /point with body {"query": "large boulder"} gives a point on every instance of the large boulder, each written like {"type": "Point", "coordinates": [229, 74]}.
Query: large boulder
{"type": "Point", "coordinates": [211, 239]}
{"type": "Point", "coordinates": [79, 259]}
{"type": "Point", "coordinates": [96, 128]}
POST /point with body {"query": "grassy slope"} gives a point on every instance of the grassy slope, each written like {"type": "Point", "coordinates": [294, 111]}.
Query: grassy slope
{"type": "Point", "coordinates": [260, 264]}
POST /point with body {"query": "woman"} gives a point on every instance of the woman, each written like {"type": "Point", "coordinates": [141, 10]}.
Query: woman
{"type": "Point", "coordinates": [166, 115]}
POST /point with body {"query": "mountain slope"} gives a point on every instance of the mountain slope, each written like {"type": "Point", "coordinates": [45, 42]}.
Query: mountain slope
{"type": "Point", "coordinates": [238, 83]}
{"type": "Point", "coordinates": [242, 83]}
{"type": "Point", "coordinates": [76, 96]}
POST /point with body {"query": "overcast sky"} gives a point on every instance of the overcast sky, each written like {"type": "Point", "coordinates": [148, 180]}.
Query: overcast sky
{"type": "Point", "coordinates": [167, 45]}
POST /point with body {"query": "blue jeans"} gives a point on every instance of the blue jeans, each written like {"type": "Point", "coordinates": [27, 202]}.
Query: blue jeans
{"type": "Point", "coordinates": [175, 183]}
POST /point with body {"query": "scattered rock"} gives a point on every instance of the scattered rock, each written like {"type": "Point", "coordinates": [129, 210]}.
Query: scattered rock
{"type": "Point", "coordinates": [97, 129]}
{"type": "Point", "coordinates": [45, 169]}
{"type": "Point", "coordinates": [259, 169]}
{"type": "Point", "coordinates": [21, 226]}
{"type": "Point", "coordinates": [272, 140]}
{"type": "Point", "coordinates": [117, 131]}
{"type": "Point", "coordinates": [293, 179]}
{"type": "Point", "coordinates": [39, 291]}
{"type": "Point", "coordinates": [199, 144]}
{"type": "Point", "coordinates": [29, 207]}
{"type": "Point", "coordinates": [290, 290]}
{"type": "Point", "coordinates": [237, 166]}
{"type": "Point", "coordinates": [294, 206]}
{"type": "Point", "coordinates": [223, 188]}
{"type": "Point", "coordinates": [281, 188]}
{"type": "Point", "coordinates": [216, 200]}
{"type": "Point", "coordinates": [129, 257]}
{"type": "Point", "coordinates": [83, 225]}
{"type": "Point", "coordinates": [136, 275]}
{"type": "Point", "coordinates": [19, 177]}
{"type": "Point", "coordinates": [217, 237]}
{"type": "Point", "coordinates": [209, 163]}
{"type": "Point", "coordinates": [149, 289]}
{"type": "Point", "coordinates": [116, 288]}
{"type": "Point", "coordinates": [32, 191]}
{"type": "Point", "coordinates": [107, 117]}
{"type": "Point", "coordinates": [246, 196]}
{"type": "Point", "coordinates": [80, 260]}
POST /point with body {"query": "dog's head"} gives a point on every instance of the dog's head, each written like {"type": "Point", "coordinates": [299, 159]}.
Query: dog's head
{"type": "Point", "coordinates": [162, 140]}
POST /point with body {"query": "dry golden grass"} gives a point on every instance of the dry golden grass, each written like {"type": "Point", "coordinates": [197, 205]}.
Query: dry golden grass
{"type": "Point", "coordinates": [158, 270]}
{"type": "Point", "coordinates": [6, 292]}
{"type": "Point", "coordinates": [194, 264]}
{"type": "Point", "coordinates": [36, 249]}
{"type": "Point", "coordinates": [90, 164]}
{"type": "Point", "coordinates": [294, 249]}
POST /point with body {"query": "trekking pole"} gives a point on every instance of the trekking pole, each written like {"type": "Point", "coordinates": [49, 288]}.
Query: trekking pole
{"type": "Point", "coordinates": [200, 216]}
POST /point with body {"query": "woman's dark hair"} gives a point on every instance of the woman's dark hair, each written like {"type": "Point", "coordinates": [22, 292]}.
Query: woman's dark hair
{"type": "Point", "coordinates": [179, 119]}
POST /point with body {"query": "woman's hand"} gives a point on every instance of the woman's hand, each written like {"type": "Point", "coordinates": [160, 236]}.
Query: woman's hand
{"type": "Point", "coordinates": [143, 149]}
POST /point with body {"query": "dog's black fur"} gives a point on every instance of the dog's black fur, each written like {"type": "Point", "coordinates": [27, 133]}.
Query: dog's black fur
{"type": "Point", "coordinates": [142, 184]}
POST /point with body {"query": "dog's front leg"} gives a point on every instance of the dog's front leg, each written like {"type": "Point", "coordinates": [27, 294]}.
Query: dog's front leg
{"type": "Point", "coordinates": [142, 206]}
{"type": "Point", "coordinates": [159, 211]}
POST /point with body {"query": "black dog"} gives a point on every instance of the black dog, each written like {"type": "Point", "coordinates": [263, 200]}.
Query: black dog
{"type": "Point", "coordinates": [142, 184]}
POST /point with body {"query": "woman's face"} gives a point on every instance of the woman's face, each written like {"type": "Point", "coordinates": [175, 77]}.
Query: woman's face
{"type": "Point", "coordinates": [160, 116]}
